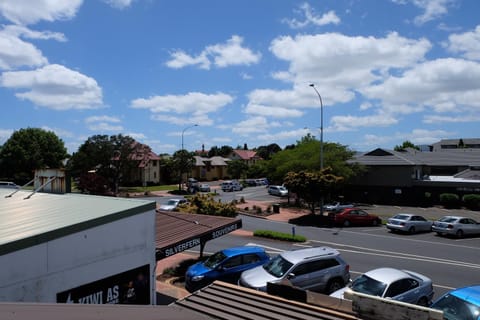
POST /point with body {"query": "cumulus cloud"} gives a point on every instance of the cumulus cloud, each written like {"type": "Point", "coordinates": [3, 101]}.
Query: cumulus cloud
{"type": "Point", "coordinates": [251, 125]}
{"type": "Point", "coordinates": [25, 12]}
{"type": "Point", "coordinates": [196, 105]}
{"type": "Point", "coordinates": [272, 111]}
{"type": "Point", "coordinates": [437, 119]}
{"type": "Point", "coordinates": [467, 44]}
{"type": "Point", "coordinates": [221, 55]}
{"type": "Point", "coordinates": [55, 87]}
{"type": "Point", "coordinates": [310, 18]}
{"type": "Point", "coordinates": [353, 123]}
{"type": "Point", "coordinates": [433, 9]}
{"type": "Point", "coordinates": [443, 84]}
{"type": "Point", "coordinates": [14, 52]}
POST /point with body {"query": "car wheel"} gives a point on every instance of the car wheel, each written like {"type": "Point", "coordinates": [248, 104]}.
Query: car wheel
{"type": "Point", "coordinates": [423, 302]}
{"type": "Point", "coordinates": [346, 223]}
{"type": "Point", "coordinates": [459, 233]}
{"type": "Point", "coordinates": [411, 230]}
{"type": "Point", "coordinates": [334, 285]}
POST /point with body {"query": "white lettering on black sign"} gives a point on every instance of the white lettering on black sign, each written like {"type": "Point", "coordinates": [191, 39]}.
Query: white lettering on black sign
{"type": "Point", "coordinates": [223, 231]}
{"type": "Point", "coordinates": [182, 247]}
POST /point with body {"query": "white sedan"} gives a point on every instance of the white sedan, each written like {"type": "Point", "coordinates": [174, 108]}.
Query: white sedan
{"type": "Point", "coordinates": [401, 285]}
{"type": "Point", "coordinates": [407, 222]}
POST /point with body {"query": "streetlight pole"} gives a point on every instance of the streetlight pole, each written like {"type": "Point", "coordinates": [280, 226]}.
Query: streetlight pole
{"type": "Point", "coordinates": [321, 140]}
{"type": "Point", "coordinates": [195, 125]}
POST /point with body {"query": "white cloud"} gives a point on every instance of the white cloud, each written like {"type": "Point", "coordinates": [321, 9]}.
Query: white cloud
{"type": "Point", "coordinates": [118, 4]}
{"type": "Point", "coordinates": [283, 135]}
{"type": "Point", "coordinates": [21, 31]}
{"type": "Point", "coordinates": [15, 52]}
{"type": "Point", "coordinates": [353, 123]}
{"type": "Point", "coordinates": [251, 125]}
{"type": "Point", "coordinates": [221, 55]}
{"type": "Point", "coordinates": [422, 136]}
{"type": "Point", "coordinates": [55, 87]}
{"type": "Point", "coordinates": [59, 132]}
{"type": "Point", "coordinates": [5, 134]}
{"type": "Point", "coordinates": [271, 111]}
{"type": "Point", "coordinates": [356, 61]}
{"type": "Point", "coordinates": [93, 119]}
{"type": "Point", "coordinates": [104, 126]}
{"type": "Point", "coordinates": [310, 18]}
{"type": "Point", "coordinates": [196, 104]}
{"type": "Point", "coordinates": [451, 119]}
{"type": "Point", "coordinates": [26, 12]}
{"type": "Point", "coordinates": [467, 43]}
{"type": "Point", "coordinates": [443, 84]}
{"type": "Point", "coordinates": [433, 9]}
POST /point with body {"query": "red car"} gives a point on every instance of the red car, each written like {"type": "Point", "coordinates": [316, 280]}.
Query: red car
{"type": "Point", "coordinates": [354, 216]}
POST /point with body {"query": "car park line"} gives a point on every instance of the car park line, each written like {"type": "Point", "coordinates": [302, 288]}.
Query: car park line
{"type": "Point", "coordinates": [398, 255]}
{"type": "Point", "coordinates": [403, 238]}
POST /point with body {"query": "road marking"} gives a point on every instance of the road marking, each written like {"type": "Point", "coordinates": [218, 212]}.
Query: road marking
{"type": "Point", "coordinates": [397, 255]}
{"type": "Point", "coordinates": [400, 238]}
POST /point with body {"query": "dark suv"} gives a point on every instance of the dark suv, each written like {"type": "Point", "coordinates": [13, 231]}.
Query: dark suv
{"type": "Point", "coordinates": [317, 269]}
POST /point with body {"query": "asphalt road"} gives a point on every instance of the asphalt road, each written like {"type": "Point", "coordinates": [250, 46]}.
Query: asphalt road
{"type": "Point", "coordinates": [450, 263]}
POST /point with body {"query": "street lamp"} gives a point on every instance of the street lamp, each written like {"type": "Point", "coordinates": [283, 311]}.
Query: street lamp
{"type": "Point", "coordinates": [321, 125]}
{"type": "Point", "coordinates": [321, 140]}
{"type": "Point", "coordinates": [195, 125]}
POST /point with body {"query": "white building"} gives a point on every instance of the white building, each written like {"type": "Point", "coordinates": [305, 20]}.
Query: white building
{"type": "Point", "coordinates": [76, 248]}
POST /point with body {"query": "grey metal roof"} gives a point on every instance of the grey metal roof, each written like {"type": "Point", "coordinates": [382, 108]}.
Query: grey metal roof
{"type": "Point", "coordinates": [222, 300]}
{"type": "Point", "coordinates": [25, 222]}
{"type": "Point", "coordinates": [384, 157]}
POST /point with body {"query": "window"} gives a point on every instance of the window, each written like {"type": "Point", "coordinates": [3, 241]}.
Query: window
{"type": "Point", "coordinates": [401, 286]}
{"type": "Point", "coordinates": [233, 262]}
{"type": "Point", "coordinates": [250, 258]}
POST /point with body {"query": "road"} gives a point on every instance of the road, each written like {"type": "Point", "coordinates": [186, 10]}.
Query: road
{"type": "Point", "coordinates": [450, 263]}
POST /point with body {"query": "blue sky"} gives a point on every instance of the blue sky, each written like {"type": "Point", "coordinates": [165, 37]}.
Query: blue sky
{"type": "Point", "coordinates": [387, 71]}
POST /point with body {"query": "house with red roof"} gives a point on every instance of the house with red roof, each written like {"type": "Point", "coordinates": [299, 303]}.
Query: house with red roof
{"type": "Point", "coordinates": [248, 156]}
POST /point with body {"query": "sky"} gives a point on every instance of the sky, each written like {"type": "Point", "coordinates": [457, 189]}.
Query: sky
{"type": "Point", "coordinates": [215, 72]}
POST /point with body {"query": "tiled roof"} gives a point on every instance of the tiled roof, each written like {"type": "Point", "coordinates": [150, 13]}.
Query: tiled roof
{"type": "Point", "coordinates": [246, 154]}
{"type": "Point", "coordinates": [214, 161]}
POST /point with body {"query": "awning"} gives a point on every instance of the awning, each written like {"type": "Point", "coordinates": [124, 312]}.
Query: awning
{"type": "Point", "coordinates": [177, 232]}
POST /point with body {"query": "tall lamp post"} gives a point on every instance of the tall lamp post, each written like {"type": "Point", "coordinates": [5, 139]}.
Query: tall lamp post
{"type": "Point", "coordinates": [182, 169]}
{"type": "Point", "coordinates": [321, 140]}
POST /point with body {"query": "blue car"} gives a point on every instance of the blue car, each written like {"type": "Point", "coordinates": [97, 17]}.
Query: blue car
{"type": "Point", "coordinates": [225, 265]}
{"type": "Point", "coordinates": [460, 304]}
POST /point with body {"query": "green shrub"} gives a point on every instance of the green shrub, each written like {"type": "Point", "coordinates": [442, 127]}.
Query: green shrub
{"type": "Point", "coordinates": [205, 204]}
{"type": "Point", "coordinates": [450, 200]}
{"type": "Point", "coordinates": [472, 201]}
{"type": "Point", "coordinates": [279, 236]}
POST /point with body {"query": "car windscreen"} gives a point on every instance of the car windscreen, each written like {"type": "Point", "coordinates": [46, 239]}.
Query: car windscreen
{"type": "Point", "coordinates": [214, 259]}
{"type": "Point", "coordinates": [401, 217]}
{"type": "Point", "coordinates": [278, 266]}
{"type": "Point", "coordinates": [448, 219]}
{"type": "Point", "coordinates": [367, 285]}
{"type": "Point", "coordinates": [172, 202]}
{"type": "Point", "coordinates": [455, 308]}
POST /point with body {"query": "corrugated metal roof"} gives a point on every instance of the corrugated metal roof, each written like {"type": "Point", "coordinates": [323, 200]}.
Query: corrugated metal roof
{"type": "Point", "coordinates": [45, 216]}
{"type": "Point", "coordinates": [230, 302]}
{"type": "Point", "coordinates": [176, 232]}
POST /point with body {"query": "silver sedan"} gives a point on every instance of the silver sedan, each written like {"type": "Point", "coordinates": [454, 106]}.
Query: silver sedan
{"type": "Point", "coordinates": [401, 285]}
{"type": "Point", "coordinates": [407, 222]}
{"type": "Point", "coordinates": [456, 226]}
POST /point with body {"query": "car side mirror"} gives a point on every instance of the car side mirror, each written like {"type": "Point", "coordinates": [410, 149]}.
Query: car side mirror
{"type": "Point", "coordinates": [291, 275]}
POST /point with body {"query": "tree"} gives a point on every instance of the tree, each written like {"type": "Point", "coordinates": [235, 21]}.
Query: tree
{"type": "Point", "coordinates": [214, 151]}
{"type": "Point", "coordinates": [111, 157]}
{"type": "Point", "coordinates": [237, 168]}
{"type": "Point", "coordinates": [183, 162]}
{"type": "Point", "coordinates": [266, 152]}
{"type": "Point", "coordinates": [310, 186]}
{"type": "Point", "coordinates": [406, 144]}
{"type": "Point", "coordinates": [306, 156]}
{"type": "Point", "coordinates": [30, 149]}
{"type": "Point", "coordinates": [225, 151]}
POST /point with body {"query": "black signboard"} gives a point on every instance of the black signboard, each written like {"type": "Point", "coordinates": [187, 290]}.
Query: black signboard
{"type": "Point", "coordinates": [129, 287]}
{"type": "Point", "coordinates": [196, 240]}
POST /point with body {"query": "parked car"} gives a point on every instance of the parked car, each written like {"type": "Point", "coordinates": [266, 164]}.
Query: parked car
{"type": "Point", "coordinates": [225, 265]}
{"type": "Point", "coordinates": [317, 269]}
{"type": "Point", "coordinates": [337, 206]}
{"type": "Point", "coordinates": [229, 186]}
{"type": "Point", "coordinates": [407, 222]}
{"type": "Point", "coordinates": [354, 216]}
{"type": "Point", "coordinates": [204, 187]}
{"type": "Point", "coordinates": [460, 304]}
{"type": "Point", "coordinates": [402, 285]}
{"type": "Point", "coordinates": [8, 184]}
{"type": "Point", "coordinates": [172, 204]}
{"type": "Point", "coordinates": [456, 226]}
{"type": "Point", "coordinates": [280, 191]}
{"type": "Point", "coordinates": [192, 184]}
